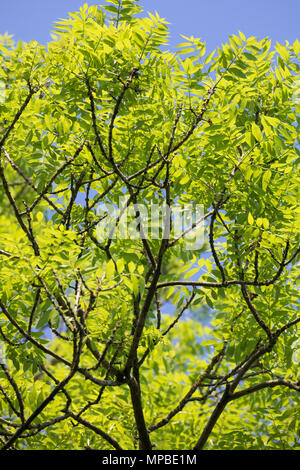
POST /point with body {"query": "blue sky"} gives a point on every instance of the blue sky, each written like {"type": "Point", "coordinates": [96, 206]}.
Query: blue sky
{"type": "Point", "coordinates": [211, 20]}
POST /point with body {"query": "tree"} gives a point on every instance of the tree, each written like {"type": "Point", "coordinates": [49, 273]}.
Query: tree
{"type": "Point", "coordinates": [138, 342]}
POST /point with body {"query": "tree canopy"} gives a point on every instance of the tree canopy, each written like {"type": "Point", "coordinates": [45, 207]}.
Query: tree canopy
{"type": "Point", "coordinates": [138, 342]}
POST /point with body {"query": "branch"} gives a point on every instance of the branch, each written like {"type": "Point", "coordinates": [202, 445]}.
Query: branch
{"type": "Point", "coordinates": [56, 174]}
{"type": "Point", "coordinates": [136, 400]}
{"type": "Point", "coordinates": [196, 122]}
{"type": "Point", "coordinates": [212, 243]}
{"type": "Point", "coordinates": [28, 182]}
{"type": "Point", "coordinates": [255, 314]}
{"type": "Point", "coordinates": [16, 390]}
{"type": "Point", "coordinates": [32, 91]}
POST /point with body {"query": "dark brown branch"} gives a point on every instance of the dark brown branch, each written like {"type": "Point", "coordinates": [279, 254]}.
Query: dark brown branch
{"type": "Point", "coordinates": [54, 176]}
{"type": "Point", "coordinates": [94, 119]}
{"type": "Point", "coordinates": [231, 282]}
{"type": "Point", "coordinates": [212, 244]}
{"type": "Point", "coordinates": [16, 210]}
{"type": "Point", "coordinates": [51, 353]}
{"type": "Point", "coordinates": [136, 400]}
{"type": "Point", "coordinates": [32, 91]}
{"type": "Point", "coordinates": [50, 397]}
{"type": "Point", "coordinates": [254, 312]}
{"type": "Point", "coordinates": [196, 122]}
{"type": "Point", "coordinates": [28, 182]}
{"type": "Point", "coordinates": [261, 386]}
{"type": "Point", "coordinates": [33, 310]}
{"type": "Point", "coordinates": [189, 394]}
{"type": "Point", "coordinates": [96, 430]}
{"type": "Point", "coordinates": [126, 85]}
{"type": "Point", "coordinates": [174, 130]}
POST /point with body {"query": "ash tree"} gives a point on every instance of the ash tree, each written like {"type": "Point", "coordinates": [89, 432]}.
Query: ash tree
{"type": "Point", "coordinates": [138, 342]}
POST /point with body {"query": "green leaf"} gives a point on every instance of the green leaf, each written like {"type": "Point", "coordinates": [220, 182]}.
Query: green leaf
{"type": "Point", "coordinates": [296, 46]}
{"type": "Point", "coordinates": [28, 138]}
{"type": "Point", "coordinates": [110, 269]}
{"type": "Point", "coordinates": [250, 219]}
{"type": "Point", "coordinates": [266, 223]}
{"type": "Point", "coordinates": [131, 267]}
{"type": "Point", "coordinates": [250, 56]}
{"type": "Point", "coordinates": [256, 132]}
{"type": "Point", "coordinates": [283, 52]}
{"type": "Point", "coordinates": [274, 122]}
{"type": "Point", "coordinates": [237, 72]}
{"type": "Point", "coordinates": [120, 265]}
